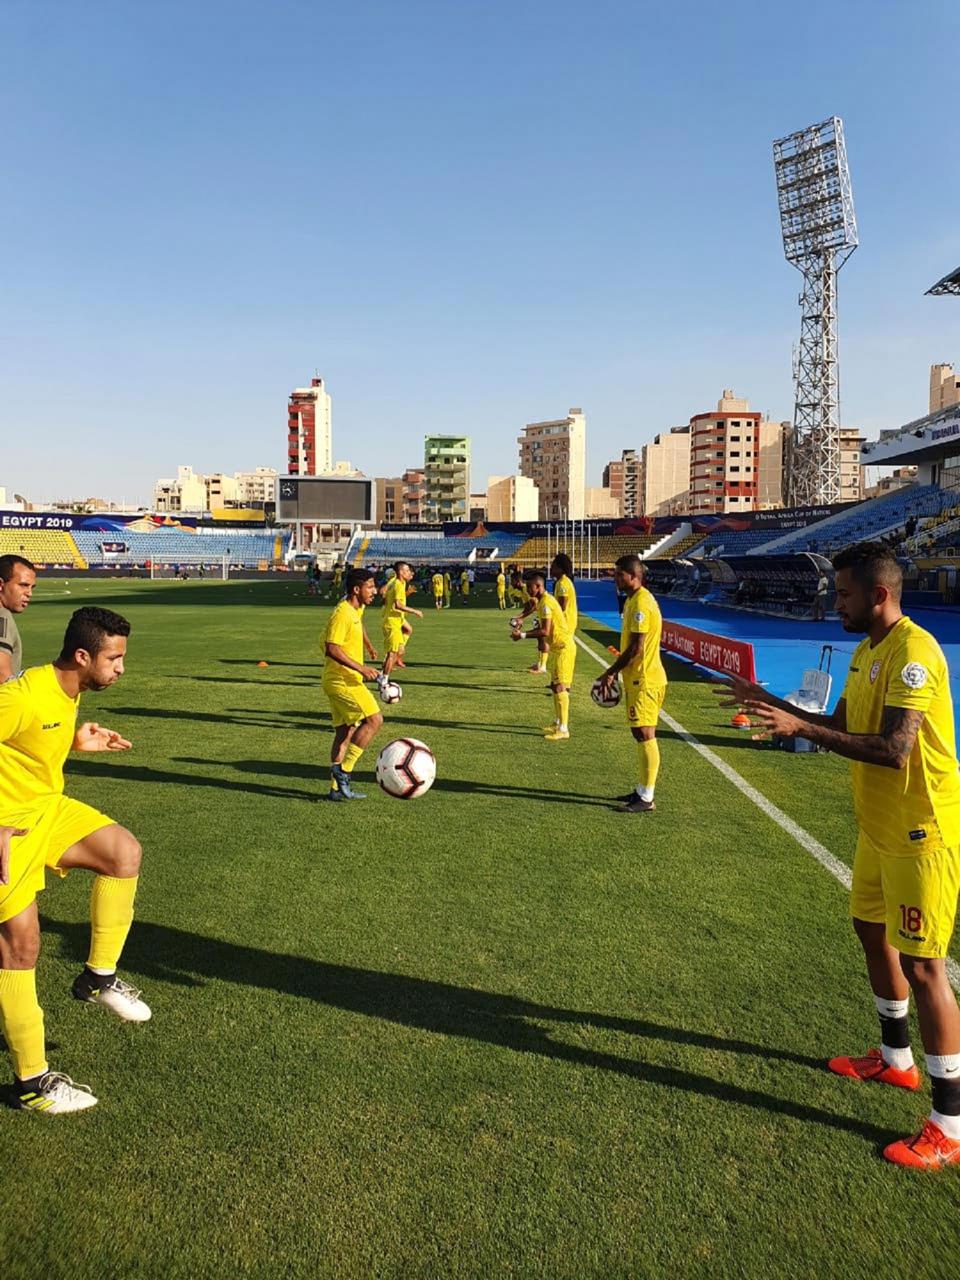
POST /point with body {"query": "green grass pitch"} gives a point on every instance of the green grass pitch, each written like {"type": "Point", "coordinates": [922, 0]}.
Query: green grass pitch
{"type": "Point", "coordinates": [502, 1030]}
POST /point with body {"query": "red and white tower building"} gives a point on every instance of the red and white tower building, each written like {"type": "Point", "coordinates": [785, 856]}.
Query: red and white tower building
{"type": "Point", "coordinates": [309, 430]}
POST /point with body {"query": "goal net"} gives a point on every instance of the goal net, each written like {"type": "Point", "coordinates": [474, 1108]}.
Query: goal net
{"type": "Point", "coordinates": [185, 567]}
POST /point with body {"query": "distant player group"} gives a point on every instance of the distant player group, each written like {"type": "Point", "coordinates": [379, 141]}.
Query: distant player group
{"type": "Point", "coordinates": [357, 717]}
{"type": "Point", "coordinates": [894, 723]}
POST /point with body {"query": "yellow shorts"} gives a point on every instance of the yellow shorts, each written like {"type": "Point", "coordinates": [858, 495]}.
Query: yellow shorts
{"type": "Point", "coordinates": [914, 895]}
{"type": "Point", "coordinates": [50, 833]}
{"type": "Point", "coordinates": [560, 664]}
{"type": "Point", "coordinates": [643, 703]}
{"type": "Point", "coordinates": [350, 703]}
{"type": "Point", "coordinates": [392, 634]}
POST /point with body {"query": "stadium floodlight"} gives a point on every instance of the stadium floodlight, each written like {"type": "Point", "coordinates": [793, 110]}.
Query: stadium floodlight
{"type": "Point", "coordinates": [949, 284]}
{"type": "Point", "coordinates": [819, 234]}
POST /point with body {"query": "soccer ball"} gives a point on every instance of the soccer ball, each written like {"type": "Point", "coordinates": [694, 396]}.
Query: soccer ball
{"type": "Point", "coordinates": [406, 768]}
{"type": "Point", "coordinates": [605, 696]}
{"type": "Point", "coordinates": [390, 692]}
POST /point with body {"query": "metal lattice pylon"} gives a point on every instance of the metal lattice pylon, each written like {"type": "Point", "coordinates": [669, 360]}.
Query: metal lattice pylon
{"type": "Point", "coordinates": [819, 234]}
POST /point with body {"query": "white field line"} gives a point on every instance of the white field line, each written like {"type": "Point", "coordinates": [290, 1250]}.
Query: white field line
{"type": "Point", "coordinates": [839, 870]}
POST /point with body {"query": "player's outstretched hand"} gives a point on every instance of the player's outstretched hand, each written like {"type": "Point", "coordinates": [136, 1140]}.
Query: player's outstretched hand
{"type": "Point", "coordinates": [737, 691]}
{"type": "Point", "coordinates": [773, 721]}
{"type": "Point", "coordinates": [6, 835]}
{"type": "Point", "coordinates": [95, 737]}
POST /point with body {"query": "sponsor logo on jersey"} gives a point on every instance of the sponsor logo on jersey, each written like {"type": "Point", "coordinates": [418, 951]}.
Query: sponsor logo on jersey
{"type": "Point", "coordinates": [919, 834]}
{"type": "Point", "coordinates": [875, 670]}
{"type": "Point", "coordinates": [55, 725]}
{"type": "Point", "coordinates": [914, 675]}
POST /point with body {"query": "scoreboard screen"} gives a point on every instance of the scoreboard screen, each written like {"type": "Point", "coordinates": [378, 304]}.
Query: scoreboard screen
{"type": "Point", "coordinates": [325, 499]}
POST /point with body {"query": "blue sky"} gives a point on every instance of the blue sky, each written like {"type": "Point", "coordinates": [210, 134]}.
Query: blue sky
{"type": "Point", "coordinates": [465, 215]}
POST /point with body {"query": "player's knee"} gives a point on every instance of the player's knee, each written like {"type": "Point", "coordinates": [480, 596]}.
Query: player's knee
{"type": "Point", "coordinates": [127, 855]}
{"type": "Point", "coordinates": [375, 721]}
{"type": "Point", "coordinates": [20, 946]}
{"type": "Point", "coordinates": [922, 972]}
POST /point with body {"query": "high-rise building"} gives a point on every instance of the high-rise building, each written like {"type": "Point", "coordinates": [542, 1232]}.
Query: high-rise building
{"type": "Point", "coordinates": [389, 499]}
{"type": "Point", "coordinates": [257, 487]}
{"type": "Point", "coordinates": [512, 498]}
{"type": "Point", "coordinates": [851, 469]}
{"type": "Point", "coordinates": [600, 504]}
{"type": "Point", "coordinates": [944, 387]}
{"type": "Point", "coordinates": [613, 480]}
{"type": "Point", "coordinates": [554, 456]}
{"type": "Point", "coordinates": [412, 496]}
{"type": "Point", "coordinates": [309, 430]}
{"type": "Point", "coordinates": [446, 477]}
{"type": "Point", "coordinates": [664, 481]}
{"type": "Point", "coordinates": [736, 459]}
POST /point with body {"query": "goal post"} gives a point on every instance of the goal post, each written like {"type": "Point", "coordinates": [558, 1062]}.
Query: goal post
{"type": "Point", "coordinates": [186, 567]}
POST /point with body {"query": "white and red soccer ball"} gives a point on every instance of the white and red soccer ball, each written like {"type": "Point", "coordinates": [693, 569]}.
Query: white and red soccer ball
{"type": "Point", "coordinates": [605, 695]}
{"type": "Point", "coordinates": [390, 692]}
{"type": "Point", "coordinates": [406, 768]}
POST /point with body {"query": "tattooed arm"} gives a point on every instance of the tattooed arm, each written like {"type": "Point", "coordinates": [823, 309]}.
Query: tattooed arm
{"type": "Point", "coordinates": [890, 747]}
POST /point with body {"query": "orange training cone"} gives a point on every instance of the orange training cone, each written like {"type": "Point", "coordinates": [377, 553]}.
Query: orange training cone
{"type": "Point", "coordinates": [261, 663]}
{"type": "Point", "coordinates": [741, 721]}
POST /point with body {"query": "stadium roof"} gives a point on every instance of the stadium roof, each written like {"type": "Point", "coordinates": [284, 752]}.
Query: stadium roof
{"type": "Point", "coordinates": [949, 284]}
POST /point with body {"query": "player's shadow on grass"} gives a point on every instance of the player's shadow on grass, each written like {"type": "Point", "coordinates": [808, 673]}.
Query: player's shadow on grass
{"type": "Point", "coordinates": [308, 682]}
{"type": "Point", "coordinates": [393, 719]}
{"type": "Point", "coordinates": [143, 773]}
{"type": "Point", "coordinates": [165, 954]}
{"type": "Point", "coordinates": [247, 718]}
{"type": "Point", "coordinates": [464, 786]}
{"type": "Point", "coordinates": [715, 739]}
{"type": "Point", "coordinates": [252, 662]}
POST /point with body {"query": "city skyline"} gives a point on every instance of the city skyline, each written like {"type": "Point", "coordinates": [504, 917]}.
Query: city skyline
{"type": "Point", "coordinates": [452, 260]}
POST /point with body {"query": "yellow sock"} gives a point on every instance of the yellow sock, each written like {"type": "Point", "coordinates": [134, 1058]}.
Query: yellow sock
{"type": "Point", "coordinates": [648, 766]}
{"type": "Point", "coordinates": [351, 758]}
{"type": "Point", "coordinates": [563, 709]}
{"type": "Point", "coordinates": [111, 915]}
{"type": "Point", "coordinates": [21, 1020]}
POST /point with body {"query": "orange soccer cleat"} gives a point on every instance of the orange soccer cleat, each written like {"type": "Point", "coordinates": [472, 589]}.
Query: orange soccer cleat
{"type": "Point", "coordinates": [872, 1067]}
{"type": "Point", "coordinates": [928, 1149]}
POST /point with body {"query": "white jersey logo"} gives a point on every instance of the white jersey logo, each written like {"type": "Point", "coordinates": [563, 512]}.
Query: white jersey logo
{"type": "Point", "coordinates": [640, 615]}
{"type": "Point", "coordinates": [875, 670]}
{"type": "Point", "coordinates": [914, 675]}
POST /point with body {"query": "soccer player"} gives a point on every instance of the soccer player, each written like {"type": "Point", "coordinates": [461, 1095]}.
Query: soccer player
{"type": "Point", "coordinates": [517, 596]}
{"type": "Point", "coordinates": [644, 678]}
{"type": "Point", "coordinates": [396, 629]}
{"type": "Point", "coordinates": [561, 570]}
{"type": "Point", "coordinates": [17, 580]}
{"type": "Point", "coordinates": [356, 717]}
{"type": "Point", "coordinates": [447, 588]}
{"type": "Point", "coordinates": [552, 629]}
{"type": "Point", "coordinates": [894, 722]}
{"type": "Point", "coordinates": [437, 583]}
{"type": "Point", "coordinates": [539, 668]}
{"type": "Point", "coordinates": [501, 589]}
{"type": "Point", "coordinates": [337, 588]}
{"type": "Point", "coordinates": [465, 585]}
{"type": "Point", "coordinates": [41, 828]}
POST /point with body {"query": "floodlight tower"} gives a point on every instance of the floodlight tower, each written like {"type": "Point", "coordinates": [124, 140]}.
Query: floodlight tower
{"type": "Point", "coordinates": [819, 234]}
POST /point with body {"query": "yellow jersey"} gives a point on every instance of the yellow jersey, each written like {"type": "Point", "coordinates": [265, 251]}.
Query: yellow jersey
{"type": "Point", "coordinates": [904, 811]}
{"type": "Point", "coordinates": [464, 579]}
{"type": "Point", "coordinates": [437, 581]}
{"type": "Point", "coordinates": [345, 628]}
{"type": "Point", "coordinates": [501, 583]}
{"type": "Point", "coordinates": [548, 608]}
{"type": "Point", "coordinates": [395, 594]}
{"type": "Point", "coordinates": [38, 723]}
{"type": "Point", "coordinates": [563, 588]}
{"type": "Point", "coordinates": [641, 616]}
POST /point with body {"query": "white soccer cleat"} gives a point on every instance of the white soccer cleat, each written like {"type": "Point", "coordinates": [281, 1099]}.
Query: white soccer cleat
{"type": "Point", "coordinates": [113, 994]}
{"type": "Point", "coordinates": [55, 1095]}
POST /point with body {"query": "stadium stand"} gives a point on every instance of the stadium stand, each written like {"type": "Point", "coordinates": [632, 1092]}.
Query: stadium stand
{"type": "Point", "coordinates": [875, 518]}
{"type": "Point", "coordinates": [430, 548]}
{"type": "Point", "coordinates": [42, 547]}
{"type": "Point", "coordinates": [681, 548]}
{"type": "Point", "coordinates": [737, 544]}
{"type": "Point", "coordinates": [239, 546]}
